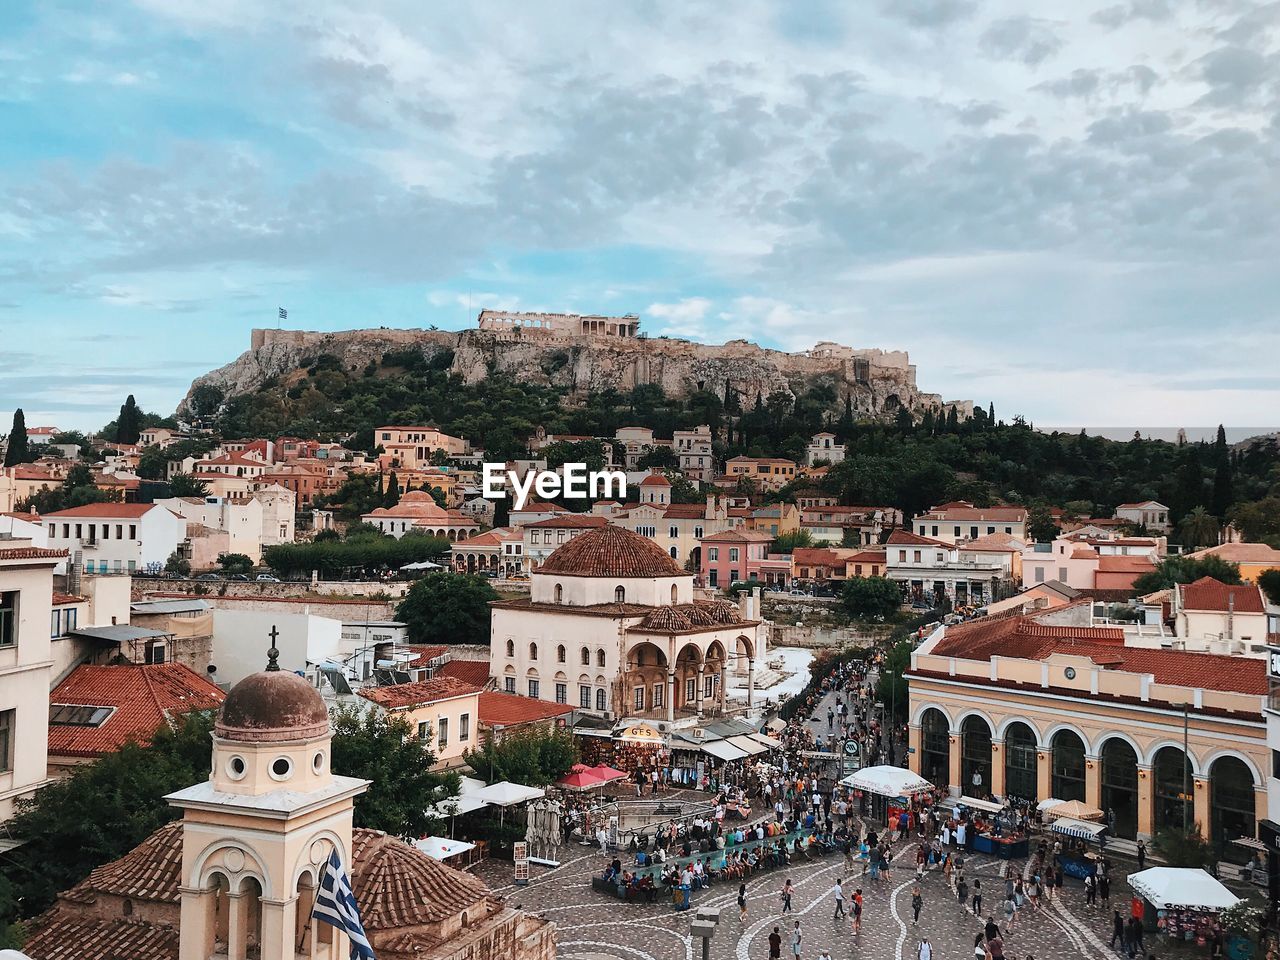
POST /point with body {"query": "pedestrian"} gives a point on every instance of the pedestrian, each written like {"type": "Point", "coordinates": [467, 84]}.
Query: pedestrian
{"type": "Point", "coordinates": [1104, 890]}
{"type": "Point", "coordinates": [797, 941]}
{"type": "Point", "coordinates": [857, 910]}
{"type": "Point", "coordinates": [1142, 855]}
{"type": "Point", "coordinates": [787, 890]}
{"type": "Point", "coordinates": [962, 892]}
{"type": "Point", "coordinates": [917, 902]}
{"type": "Point", "coordinates": [1010, 911]}
{"type": "Point", "coordinates": [742, 901]}
{"type": "Point", "coordinates": [1090, 889]}
{"type": "Point", "coordinates": [924, 951]}
{"type": "Point", "coordinates": [838, 892]}
{"type": "Point", "coordinates": [990, 929]}
{"type": "Point", "coordinates": [1117, 930]}
{"type": "Point", "coordinates": [775, 944]}
{"type": "Point", "coordinates": [977, 896]}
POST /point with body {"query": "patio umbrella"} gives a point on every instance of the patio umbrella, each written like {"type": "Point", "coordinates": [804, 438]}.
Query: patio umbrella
{"type": "Point", "coordinates": [1075, 809]}
{"type": "Point", "coordinates": [579, 768]}
{"type": "Point", "coordinates": [607, 773]}
{"type": "Point", "coordinates": [887, 781]}
{"type": "Point", "coordinates": [579, 781]}
{"type": "Point", "coordinates": [507, 794]}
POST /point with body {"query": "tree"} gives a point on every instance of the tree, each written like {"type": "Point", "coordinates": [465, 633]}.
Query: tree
{"type": "Point", "coordinates": [235, 562]}
{"type": "Point", "coordinates": [1259, 520]}
{"type": "Point", "coordinates": [1181, 848]}
{"type": "Point", "coordinates": [535, 757]}
{"type": "Point", "coordinates": [381, 747]}
{"type": "Point", "coordinates": [18, 450]}
{"type": "Point", "coordinates": [789, 541]}
{"type": "Point", "coordinates": [1222, 481]}
{"type": "Point", "coordinates": [178, 565]}
{"type": "Point", "coordinates": [1182, 569]}
{"type": "Point", "coordinates": [438, 495]}
{"type": "Point", "coordinates": [871, 598]}
{"type": "Point", "coordinates": [392, 496]}
{"type": "Point", "coordinates": [1269, 581]}
{"type": "Point", "coordinates": [447, 608]}
{"type": "Point", "coordinates": [1041, 527]}
{"type": "Point", "coordinates": [1198, 529]}
{"type": "Point", "coordinates": [185, 485]}
{"type": "Point", "coordinates": [77, 490]}
{"type": "Point", "coordinates": [129, 422]}
{"type": "Point", "coordinates": [205, 400]}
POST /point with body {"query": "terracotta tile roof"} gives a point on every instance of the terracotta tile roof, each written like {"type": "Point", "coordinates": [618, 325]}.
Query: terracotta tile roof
{"type": "Point", "coordinates": [490, 538]}
{"type": "Point", "coordinates": [506, 709]}
{"type": "Point", "coordinates": [1121, 564]}
{"type": "Point", "coordinates": [582, 521]}
{"type": "Point", "coordinates": [738, 535]}
{"type": "Point", "coordinates": [995, 543]}
{"type": "Point", "coordinates": [425, 653]}
{"type": "Point", "coordinates": [32, 553]}
{"type": "Point", "coordinates": [62, 935]}
{"type": "Point", "coordinates": [402, 695]}
{"type": "Point", "coordinates": [474, 672]}
{"type": "Point", "coordinates": [413, 505]}
{"type": "Point", "coordinates": [150, 871]}
{"type": "Point", "coordinates": [396, 886]}
{"type": "Point", "coordinates": [62, 599]}
{"type": "Point", "coordinates": [611, 551]}
{"type": "Point", "coordinates": [1231, 552]}
{"type": "Point", "coordinates": [907, 538]}
{"type": "Point", "coordinates": [142, 697]}
{"type": "Point", "coordinates": [963, 510]}
{"type": "Point", "coordinates": [1149, 504]}
{"type": "Point", "coordinates": [108, 511]}
{"type": "Point", "coordinates": [655, 480]}
{"type": "Point", "coordinates": [685, 511]}
{"type": "Point", "coordinates": [1022, 637]}
{"type": "Point", "coordinates": [1210, 594]}
{"type": "Point", "coordinates": [818, 556]}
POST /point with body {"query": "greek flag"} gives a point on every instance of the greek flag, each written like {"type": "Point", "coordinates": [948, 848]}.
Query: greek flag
{"type": "Point", "coordinates": [336, 905]}
{"type": "Point", "coordinates": [284, 314]}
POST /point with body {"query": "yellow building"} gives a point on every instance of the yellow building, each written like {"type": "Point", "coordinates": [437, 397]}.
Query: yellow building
{"type": "Point", "coordinates": [443, 711]}
{"type": "Point", "coordinates": [1035, 707]}
{"type": "Point", "coordinates": [1252, 558]}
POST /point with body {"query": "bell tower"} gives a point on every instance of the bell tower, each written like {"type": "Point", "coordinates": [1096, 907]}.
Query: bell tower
{"type": "Point", "coordinates": [257, 834]}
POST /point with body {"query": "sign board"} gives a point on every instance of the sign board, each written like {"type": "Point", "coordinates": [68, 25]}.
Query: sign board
{"type": "Point", "coordinates": [520, 854]}
{"type": "Point", "coordinates": [852, 747]}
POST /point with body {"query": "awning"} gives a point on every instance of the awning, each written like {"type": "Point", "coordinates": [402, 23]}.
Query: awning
{"type": "Point", "coordinates": [507, 794]}
{"type": "Point", "coordinates": [887, 781]}
{"type": "Point", "coordinates": [1182, 887]}
{"type": "Point", "coordinates": [456, 806]}
{"type": "Point", "coordinates": [438, 848]}
{"type": "Point", "coordinates": [765, 741]}
{"type": "Point", "coordinates": [748, 745]}
{"type": "Point", "coordinates": [1082, 829]}
{"type": "Point", "coordinates": [986, 806]}
{"type": "Point", "coordinates": [1251, 842]}
{"type": "Point", "coordinates": [723, 750]}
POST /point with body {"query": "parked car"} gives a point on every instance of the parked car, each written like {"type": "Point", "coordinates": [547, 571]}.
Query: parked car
{"type": "Point", "coordinates": [209, 576]}
{"type": "Point", "coordinates": [238, 577]}
{"type": "Point", "coordinates": [267, 578]}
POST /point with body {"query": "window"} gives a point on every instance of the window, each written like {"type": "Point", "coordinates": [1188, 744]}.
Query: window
{"type": "Point", "coordinates": [584, 697]}
{"type": "Point", "coordinates": [560, 653]}
{"type": "Point", "coordinates": [442, 738]}
{"type": "Point", "coordinates": [533, 651]}
{"type": "Point", "coordinates": [638, 699]}
{"type": "Point", "coordinates": [733, 554]}
{"type": "Point", "coordinates": [562, 693]}
{"type": "Point", "coordinates": [935, 531]}
{"type": "Point", "coordinates": [673, 532]}
{"type": "Point", "coordinates": [8, 619]}
{"type": "Point", "coordinates": [586, 657]}
{"type": "Point", "coordinates": [675, 593]}
{"type": "Point", "coordinates": [559, 593]}
{"type": "Point", "coordinates": [509, 684]}
{"type": "Point", "coordinates": [712, 579]}
{"type": "Point", "coordinates": [424, 730]}
{"type": "Point", "coordinates": [708, 686]}
{"type": "Point", "coordinates": [464, 728]}
{"type": "Point", "coordinates": [600, 658]}
{"type": "Point", "coordinates": [690, 690]}
{"type": "Point", "coordinates": [915, 556]}
{"type": "Point", "coordinates": [1039, 574]}
{"type": "Point", "coordinates": [619, 594]}
{"type": "Point", "coordinates": [601, 702]}
{"type": "Point", "coordinates": [511, 648]}
{"type": "Point", "coordinates": [155, 652]}
{"type": "Point", "coordinates": [659, 689]}
{"type": "Point", "coordinates": [533, 689]}
{"type": "Point", "coordinates": [6, 740]}
{"type": "Point", "coordinates": [713, 553]}
{"type": "Point", "coordinates": [77, 715]}
{"type": "Point", "coordinates": [697, 533]}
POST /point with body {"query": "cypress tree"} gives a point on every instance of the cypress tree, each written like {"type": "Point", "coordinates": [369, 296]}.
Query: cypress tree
{"type": "Point", "coordinates": [392, 496]}
{"type": "Point", "coordinates": [991, 413]}
{"type": "Point", "coordinates": [18, 451]}
{"type": "Point", "coordinates": [129, 423]}
{"type": "Point", "coordinates": [1222, 479]}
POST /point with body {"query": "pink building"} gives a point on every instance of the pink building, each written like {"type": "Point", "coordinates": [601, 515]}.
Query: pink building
{"type": "Point", "coordinates": [735, 554]}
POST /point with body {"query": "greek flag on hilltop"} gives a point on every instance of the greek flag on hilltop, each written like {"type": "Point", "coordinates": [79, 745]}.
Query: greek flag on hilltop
{"type": "Point", "coordinates": [336, 905]}
{"type": "Point", "coordinates": [284, 314]}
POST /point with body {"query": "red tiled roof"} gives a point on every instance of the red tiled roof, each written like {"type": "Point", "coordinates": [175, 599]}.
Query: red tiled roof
{"type": "Point", "coordinates": [685, 511]}
{"type": "Point", "coordinates": [569, 521]}
{"type": "Point", "coordinates": [963, 510]}
{"type": "Point", "coordinates": [144, 696]}
{"type": "Point", "coordinates": [1122, 564]}
{"type": "Point", "coordinates": [1231, 552]}
{"type": "Point", "coordinates": [474, 672]}
{"type": "Point", "coordinates": [738, 535]}
{"type": "Point", "coordinates": [60, 934]}
{"type": "Point", "coordinates": [611, 551]}
{"type": "Point", "coordinates": [907, 538]}
{"type": "Point", "coordinates": [655, 480]}
{"type": "Point", "coordinates": [107, 511]}
{"type": "Point", "coordinates": [507, 708]}
{"type": "Point", "coordinates": [425, 653]}
{"type": "Point", "coordinates": [401, 695]}
{"type": "Point", "coordinates": [31, 553]}
{"type": "Point", "coordinates": [1024, 638]}
{"type": "Point", "coordinates": [1210, 594]}
{"type": "Point", "coordinates": [62, 599]}
{"type": "Point", "coordinates": [541, 506]}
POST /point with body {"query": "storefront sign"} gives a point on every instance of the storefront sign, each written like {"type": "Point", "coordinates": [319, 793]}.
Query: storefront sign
{"type": "Point", "coordinates": [520, 854]}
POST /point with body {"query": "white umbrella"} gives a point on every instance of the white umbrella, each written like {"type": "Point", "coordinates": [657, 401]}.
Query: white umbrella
{"type": "Point", "coordinates": [1046, 804]}
{"type": "Point", "coordinates": [887, 781]}
{"type": "Point", "coordinates": [438, 848]}
{"type": "Point", "coordinates": [1182, 887]}
{"type": "Point", "coordinates": [507, 794]}
{"type": "Point", "coordinates": [421, 565]}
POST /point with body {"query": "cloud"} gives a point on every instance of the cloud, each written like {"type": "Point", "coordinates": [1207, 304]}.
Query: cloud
{"type": "Point", "coordinates": [1124, 13]}
{"type": "Point", "coordinates": [929, 14]}
{"type": "Point", "coordinates": [1027, 40]}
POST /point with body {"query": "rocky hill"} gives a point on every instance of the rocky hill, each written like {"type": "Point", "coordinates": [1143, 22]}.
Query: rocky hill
{"type": "Point", "coordinates": [877, 383]}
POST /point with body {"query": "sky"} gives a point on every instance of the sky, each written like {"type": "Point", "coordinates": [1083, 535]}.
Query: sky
{"type": "Point", "coordinates": [1071, 210]}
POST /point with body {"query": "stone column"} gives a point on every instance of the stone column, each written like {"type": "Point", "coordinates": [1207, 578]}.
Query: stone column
{"type": "Point", "coordinates": [237, 925]}
{"type": "Point", "coordinates": [1200, 809]}
{"type": "Point", "coordinates": [914, 741]}
{"type": "Point", "coordinates": [279, 926]}
{"type": "Point", "coordinates": [196, 923]}
{"type": "Point", "coordinates": [1093, 782]}
{"type": "Point", "coordinates": [997, 768]}
{"type": "Point", "coordinates": [954, 775]}
{"type": "Point", "coordinates": [1144, 801]}
{"type": "Point", "coordinates": [671, 696]}
{"type": "Point", "coordinates": [1044, 775]}
{"type": "Point", "coordinates": [724, 686]}
{"type": "Point", "coordinates": [697, 693]}
{"type": "Point", "coordinates": [751, 684]}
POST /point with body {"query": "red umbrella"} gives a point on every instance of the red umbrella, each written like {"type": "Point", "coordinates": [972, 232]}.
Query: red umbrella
{"type": "Point", "coordinates": [584, 780]}
{"type": "Point", "coordinates": [606, 773]}
{"type": "Point", "coordinates": [579, 768]}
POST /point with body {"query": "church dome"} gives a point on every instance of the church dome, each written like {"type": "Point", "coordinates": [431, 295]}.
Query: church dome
{"type": "Point", "coordinates": [272, 706]}
{"type": "Point", "coordinates": [611, 551]}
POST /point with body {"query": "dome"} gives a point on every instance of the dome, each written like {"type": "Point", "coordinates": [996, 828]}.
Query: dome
{"type": "Point", "coordinates": [272, 706]}
{"type": "Point", "coordinates": [611, 551]}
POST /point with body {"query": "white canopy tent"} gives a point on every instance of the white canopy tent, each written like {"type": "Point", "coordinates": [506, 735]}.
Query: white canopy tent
{"type": "Point", "coordinates": [887, 781]}
{"type": "Point", "coordinates": [748, 745]}
{"type": "Point", "coordinates": [508, 794]}
{"type": "Point", "coordinates": [723, 750]}
{"type": "Point", "coordinates": [421, 565]}
{"type": "Point", "coordinates": [1185, 888]}
{"type": "Point", "coordinates": [1046, 804]}
{"type": "Point", "coordinates": [974, 803]}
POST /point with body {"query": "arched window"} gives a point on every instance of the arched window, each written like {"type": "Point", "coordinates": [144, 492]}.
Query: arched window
{"type": "Point", "coordinates": [619, 594]}
{"type": "Point", "coordinates": [586, 657]}
{"type": "Point", "coordinates": [533, 651]}
{"type": "Point", "coordinates": [600, 658]}
{"type": "Point", "coordinates": [559, 593]}
{"type": "Point", "coordinates": [674, 553]}
{"type": "Point", "coordinates": [674, 593]}
{"type": "Point", "coordinates": [601, 704]}
{"type": "Point", "coordinates": [560, 653]}
{"type": "Point", "coordinates": [511, 648]}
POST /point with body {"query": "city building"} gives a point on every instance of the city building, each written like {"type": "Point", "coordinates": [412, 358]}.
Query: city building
{"type": "Point", "coordinates": [1253, 559]}
{"type": "Point", "coordinates": [442, 711]}
{"type": "Point", "coordinates": [116, 537]}
{"type": "Point", "coordinates": [678, 528]}
{"type": "Point", "coordinates": [418, 511]}
{"type": "Point", "coordinates": [636, 442]}
{"type": "Point", "coordinates": [823, 448]}
{"type": "Point", "coordinates": [933, 571]}
{"type": "Point", "coordinates": [694, 454]}
{"type": "Point", "coordinates": [544, 537]}
{"type": "Point", "coordinates": [415, 447]}
{"type": "Point", "coordinates": [734, 555]}
{"type": "Point", "coordinates": [611, 626]}
{"type": "Point", "coordinates": [238, 874]}
{"type": "Point", "coordinates": [516, 322]}
{"type": "Point", "coordinates": [1209, 611]}
{"type": "Point", "coordinates": [26, 612]}
{"type": "Point", "coordinates": [1089, 563]}
{"type": "Point", "coordinates": [961, 520]}
{"type": "Point", "coordinates": [488, 552]}
{"type": "Point", "coordinates": [303, 640]}
{"type": "Point", "coordinates": [503, 714]}
{"type": "Point", "coordinates": [1040, 706]}
{"type": "Point", "coordinates": [1150, 514]}
{"type": "Point", "coordinates": [846, 526]}
{"type": "Point", "coordinates": [762, 473]}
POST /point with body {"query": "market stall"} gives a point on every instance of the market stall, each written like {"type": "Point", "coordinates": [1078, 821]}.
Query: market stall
{"type": "Point", "coordinates": [1181, 902]}
{"type": "Point", "coordinates": [893, 788]}
{"type": "Point", "coordinates": [1077, 859]}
